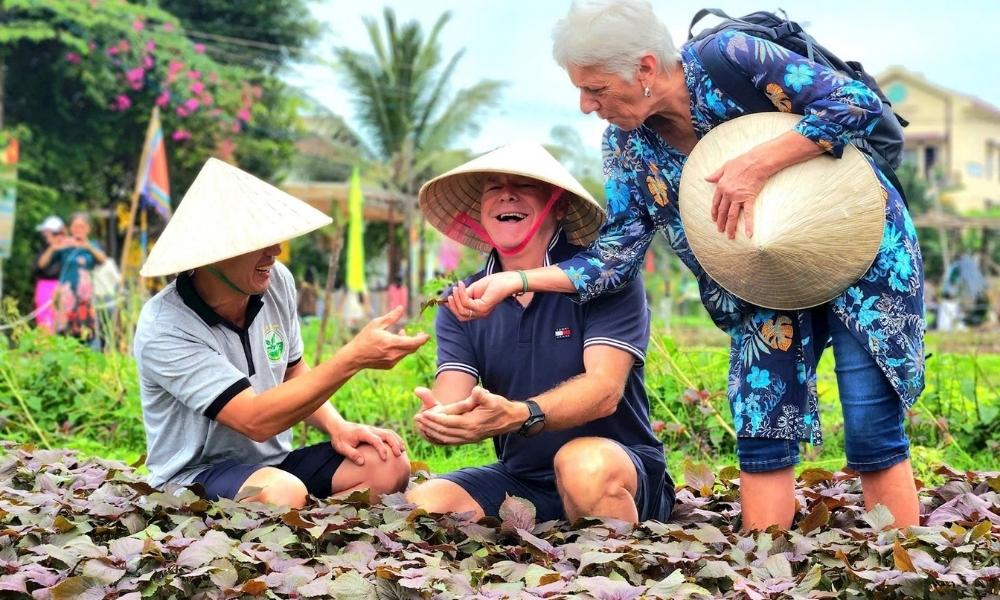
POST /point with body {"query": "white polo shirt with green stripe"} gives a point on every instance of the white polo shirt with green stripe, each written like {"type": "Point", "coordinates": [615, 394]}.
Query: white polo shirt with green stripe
{"type": "Point", "coordinates": [192, 362]}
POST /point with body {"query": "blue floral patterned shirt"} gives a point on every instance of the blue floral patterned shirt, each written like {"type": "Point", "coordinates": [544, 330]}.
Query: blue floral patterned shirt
{"type": "Point", "coordinates": [773, 354]}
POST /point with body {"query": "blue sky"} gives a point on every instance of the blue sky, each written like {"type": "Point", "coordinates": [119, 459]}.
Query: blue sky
{"type": "Point", "coordinates": [953, 44]}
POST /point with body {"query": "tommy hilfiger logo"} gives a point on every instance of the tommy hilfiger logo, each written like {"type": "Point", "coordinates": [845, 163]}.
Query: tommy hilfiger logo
{"type": "Point", "coordinates": [563, 333]}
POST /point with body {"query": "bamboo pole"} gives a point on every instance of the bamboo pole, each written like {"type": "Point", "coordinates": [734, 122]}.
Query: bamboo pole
{"type": "Point", "coordinates": [336, 243]}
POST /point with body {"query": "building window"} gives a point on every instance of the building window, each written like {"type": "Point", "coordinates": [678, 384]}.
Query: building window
{"type": "Point", "coordinates": [930, 161]}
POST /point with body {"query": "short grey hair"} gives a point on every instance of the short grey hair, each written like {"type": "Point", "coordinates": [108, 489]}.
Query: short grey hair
{"type": "Point", "coordinates": [81, 216]}
{"type": "Point", "coordinates": [611, 35]}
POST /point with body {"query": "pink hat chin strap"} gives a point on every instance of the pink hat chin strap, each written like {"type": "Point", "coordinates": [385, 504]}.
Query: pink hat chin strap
{"type": "Point", "coordinates": [464, 220]}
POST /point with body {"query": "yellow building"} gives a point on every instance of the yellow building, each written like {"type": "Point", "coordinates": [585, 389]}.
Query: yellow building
{"type": "Point", "coordinates": [953, 138]}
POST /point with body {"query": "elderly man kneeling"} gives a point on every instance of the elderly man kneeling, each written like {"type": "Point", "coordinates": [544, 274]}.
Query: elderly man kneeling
{"type": "Point", "coordinates": [560, 384]}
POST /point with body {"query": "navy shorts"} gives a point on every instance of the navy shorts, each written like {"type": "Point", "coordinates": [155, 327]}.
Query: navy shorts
{"type": "Point", "coordinates": [490, 485]}
{"type": "Point", "coordinates": [874, 438]}
{"type": "Point", "coordinates": [313, 465]}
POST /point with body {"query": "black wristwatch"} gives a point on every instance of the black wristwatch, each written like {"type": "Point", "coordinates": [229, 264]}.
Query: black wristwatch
{"type": "Point", "coordinates": [535, 422]}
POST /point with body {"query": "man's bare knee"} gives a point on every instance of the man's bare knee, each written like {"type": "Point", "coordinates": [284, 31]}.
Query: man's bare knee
{"type": "Point", "coordinates": [379, 476]}
{"type": "Point", "coordinates": [589, 469]}
{"type": "Point", "coordinates": [390, 476]}
{"type": "Point", "coordinates": [276, 487]}
{"type": "Point", "coordinates": [443, 496]}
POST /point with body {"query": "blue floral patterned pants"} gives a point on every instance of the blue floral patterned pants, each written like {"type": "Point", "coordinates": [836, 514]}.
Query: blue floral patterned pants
{"type": "Point", "coordinates": [874, 438]}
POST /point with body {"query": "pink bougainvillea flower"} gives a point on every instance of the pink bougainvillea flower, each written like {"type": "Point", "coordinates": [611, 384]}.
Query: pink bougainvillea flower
{"type": "Point", "coordinates": [197, 87]}
{"type": "Point", "coordinates": [163, 99]}
{"type": "Point", "coordinates": [91, 46]}
{"type": "Point", "coordinates": [199, 48]}
{"type": "Point", "coordinates": [215, 112]}
{"type": "Point", "coordinates": [207, 99]}
{"type": "Point", "coordinates": [173, 69]}
{"type": "Point", "coordinates": [180, 135]}
{"type": "Point", "coordinates": [111, 51]}
{"type": "Point", "coordinates": [138, 25]}
{"type": "Point", "coordinates": [257, 91]}
{"type": "Point", "coordinates": [237, 127]}
{"type": "Point", "coordinates": [244, 114]}
{"type": "Point", "coordinates": [124, 46]}
{"type": "Point", "coordinates": [122, 102]}
{"type": "Point", "coordinates": [194, 74]}
{"type": "Point", "coordinates": [147, 62]}
{"type": "Point", "coordinates": [73, 58]}
{"type": "Point", "coordinates": [150, 46]}
{"type": "Point", "coordinates": [183, 111]}
{"type": "Point", "coordinates": [191, 104]}
{"type": "Point", "coordinates": [168, 27]}
{"type": "Point", "coordinates": [213, 77]}
{"type": "Point", "coordinates": [135, 77]}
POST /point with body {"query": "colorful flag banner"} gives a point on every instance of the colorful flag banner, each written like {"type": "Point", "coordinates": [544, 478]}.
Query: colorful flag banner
{"type": "Point", "coordinates": [8, 195]}
{"type": "Point", "coordinates": [154, 182]}
{"type": "Point", "coordinates": [355, 235]}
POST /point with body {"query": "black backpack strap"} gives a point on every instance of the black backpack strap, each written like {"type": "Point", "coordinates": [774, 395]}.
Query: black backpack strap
{"type": "Point", "coordinates": [890, 174]}
{"type": "Point", "coordinates": [729, 79]}
{"type": "Point", "coordinates": [701, 14]}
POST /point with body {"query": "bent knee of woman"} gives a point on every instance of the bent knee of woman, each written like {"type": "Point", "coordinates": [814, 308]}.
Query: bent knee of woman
{"type": "Point", "coordinates": [276, 487]}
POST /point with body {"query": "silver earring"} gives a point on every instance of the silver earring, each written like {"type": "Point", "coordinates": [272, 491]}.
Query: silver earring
{"type": "Point", "coordinates": [646, 92]}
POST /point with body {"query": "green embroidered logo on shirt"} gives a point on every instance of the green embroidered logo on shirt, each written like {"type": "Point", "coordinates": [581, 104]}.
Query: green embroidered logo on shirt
{"type": "Point", "coordinates": [274, 343]}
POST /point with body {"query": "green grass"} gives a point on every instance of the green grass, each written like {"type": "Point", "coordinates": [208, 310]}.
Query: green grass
{"type": "Point", "coordinates": [89, 402]}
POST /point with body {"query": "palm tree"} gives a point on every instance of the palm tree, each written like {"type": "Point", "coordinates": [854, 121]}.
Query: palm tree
{"type": "Point", "coordinates": [401, 94]}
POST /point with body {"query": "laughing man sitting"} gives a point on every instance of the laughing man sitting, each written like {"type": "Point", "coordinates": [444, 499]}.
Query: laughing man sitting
{"type": "Point", "coordinates": [560, 384]}
{"type": "Point", "coordinates": [221, 368]}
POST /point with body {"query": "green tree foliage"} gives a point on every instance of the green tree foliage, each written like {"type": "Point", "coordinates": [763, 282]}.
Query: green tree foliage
{"type": "Point", "coordinates": [262, 37]}
{"type": "Point", "coordinates": [263, 34]}
{"type": "Point", "coordinates": [401, 94]}
{"type": "Point", "coordinates": [920, 199]}
{"type": "Point", "coordinates": [328, 148]}
{"type": "Point", "coordinates": [918, 195]}
{"type": "Point", "coordinates": [81, 80]}
{"type": "Point", "coordinates": [568, 148]}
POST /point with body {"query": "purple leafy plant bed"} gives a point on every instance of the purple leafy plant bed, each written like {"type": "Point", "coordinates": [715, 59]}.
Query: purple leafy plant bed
{"type": "Point", "coordinates": [92, 529]}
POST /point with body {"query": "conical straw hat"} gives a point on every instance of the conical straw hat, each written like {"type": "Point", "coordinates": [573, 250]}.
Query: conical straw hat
{"type": "Point", "coordinates": [451, 200]}
{"type": "Point", "coordinates": [817, 225]}
{"type": "Point", "coordinates": [227, 212]}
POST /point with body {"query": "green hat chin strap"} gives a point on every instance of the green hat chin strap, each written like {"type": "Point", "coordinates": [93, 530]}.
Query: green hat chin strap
{"type": "Point", "coordinates": [221, 277]}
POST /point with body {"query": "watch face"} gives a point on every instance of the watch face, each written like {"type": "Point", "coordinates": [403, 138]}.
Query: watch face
{"type": "Point", "coordinates": [534, 426]}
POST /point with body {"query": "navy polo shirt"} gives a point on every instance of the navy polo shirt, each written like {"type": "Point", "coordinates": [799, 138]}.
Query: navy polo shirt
{"type": "Point", "coordinates": [522, 352]}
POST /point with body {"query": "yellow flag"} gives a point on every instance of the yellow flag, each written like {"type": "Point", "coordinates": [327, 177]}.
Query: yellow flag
{"type": "Point", "coordinates": [355, 235]}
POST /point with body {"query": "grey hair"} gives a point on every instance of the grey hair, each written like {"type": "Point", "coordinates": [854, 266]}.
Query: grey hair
{"type": "Point", "coordinates": [611, 35]}
{"type": "Point", "coordinates": [79, 215]}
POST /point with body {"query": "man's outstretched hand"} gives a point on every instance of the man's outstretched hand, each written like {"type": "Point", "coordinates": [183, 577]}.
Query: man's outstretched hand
{"type": "Point", "coordinates": [376, 347]}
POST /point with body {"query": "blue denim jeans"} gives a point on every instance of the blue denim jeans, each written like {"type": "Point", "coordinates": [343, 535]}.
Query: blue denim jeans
{"type": "Point", "coordinates": [874, 438]}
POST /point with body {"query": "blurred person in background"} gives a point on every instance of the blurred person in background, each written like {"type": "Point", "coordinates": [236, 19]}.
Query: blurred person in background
{"type": "Point", "coordinates": [53, 232]}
